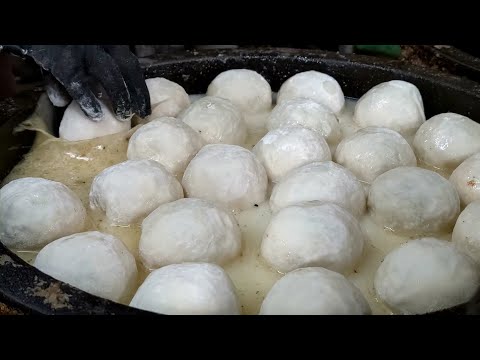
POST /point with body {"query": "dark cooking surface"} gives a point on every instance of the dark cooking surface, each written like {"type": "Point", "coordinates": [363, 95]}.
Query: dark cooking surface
{"type": "Point", "coordinates": [35, 292]}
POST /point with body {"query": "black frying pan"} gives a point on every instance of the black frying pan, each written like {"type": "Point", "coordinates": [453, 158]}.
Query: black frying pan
{"type": "Point", "coordinates": [31, 291]}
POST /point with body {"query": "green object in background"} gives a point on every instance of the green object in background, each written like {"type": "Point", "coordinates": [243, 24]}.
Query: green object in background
{"type": "Point", "coordinates": [386, 50]}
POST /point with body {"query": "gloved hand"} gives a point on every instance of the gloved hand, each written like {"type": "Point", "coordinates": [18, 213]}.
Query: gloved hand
{"type": "Point", "coordinates": [78, 69]}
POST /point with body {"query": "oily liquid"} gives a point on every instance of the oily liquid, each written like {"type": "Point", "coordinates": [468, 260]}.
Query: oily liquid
{"type": "Point", "coordinates": [75, 164]}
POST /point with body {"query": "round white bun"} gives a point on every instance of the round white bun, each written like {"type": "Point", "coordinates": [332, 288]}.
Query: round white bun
{"type": "Point", "coordinates": [167, 140]}
{"type": "Point", "coordinates": [76, 126]}
{"type": "Point", "coordinates": [320, 181]}
{"type": "Point", "coordinates": [132, 189]}
{"type": "Point", "coordinates": [189, 230]}
{"type": "Point", "coordinates": [372, 151]}
{"type": "Point", "coordinates": [166, 97]}
{"type": "Point", "coordinates": [92, 261]}
{"type": "Point", "coordinates": [36, 211]}
{"type": "Point", "coordinates": [445, 140]}
{"type": "Point", "coordinates": [316, 86]}
{"type": "Point", "coordinates": [395, 105]}
{"type": "Point", "coordinates": [313, 234]}
{"type": "Point", "coordinates": [216, 120]}
{"type": "Point", "coordinates": [307, 113]}
{"type": "Point", "coordinates": [228, 175]}
{"type": "Point", "coordinates": [426, 275]}
{"type": "Point", "coordinates": [314, 291]}
{"type": "Point", "coordinates": [411, 200]}
{"type": "Point", "coordinates": [188, 289]}
{"type": "Point", "coordinates": [284, 149]}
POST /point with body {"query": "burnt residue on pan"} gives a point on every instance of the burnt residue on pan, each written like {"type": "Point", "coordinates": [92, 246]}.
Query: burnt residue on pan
{"type": "Point", "coordinates": [33, 292]}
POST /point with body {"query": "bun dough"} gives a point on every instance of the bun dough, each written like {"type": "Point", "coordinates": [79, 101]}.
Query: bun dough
{"type": "Point", "coordinates": [313, 234]}
{"type": "Point", "coordinates": [396, 105]}
{"type": "Point", "coordinates": [76, 126]}
{"type": "Point", "coordinates": [445, 140]}
{"type": "Point", "coordinates": [320, 181]}
{"type": "Point", "coordinates": [466, 233]}
{"type": "Point", "coordinates": [216, 120]}
{"type": "Point", "coordinates": [426, 275]}
{"type": "Point", "coordinates": [372, 151]}
{"type": "Point", "coordinates": [167, 140]}
{"type": "Point", "coordinates": [36, 211]}
{"type": "Point", "coordinates": [166, 97]}
{"type": "Point", "coordinates": [189, 230]}
{"type": "Point", "coordinates": [306, 113]}
{"type": "Point", "coordinates": [92, 261]}
{"type": "Point", "coordinates": [412, 200]}
{"type": "Point", "coordinates": [314, 291]}
{"type": "Point", "coordinates": [228, 175]}
{"type": "Point", "coordinates": [246, 89]}
{"type": "Point", "coordinates": [188, 289]}
{"type": "Point", "coordinates": [285, 149]}
{"type": "Point", "coordinates": [316, 86]}
{"type": "Point", "coordinates": [466, 179]}
{"type": "Point", "coordinates": [131, 190]}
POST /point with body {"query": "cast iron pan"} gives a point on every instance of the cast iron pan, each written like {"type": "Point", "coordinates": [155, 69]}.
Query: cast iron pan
{"type": "Point", "coordinates": [31, 291]}
{"type": "Point", "coordinates": [459, 60]}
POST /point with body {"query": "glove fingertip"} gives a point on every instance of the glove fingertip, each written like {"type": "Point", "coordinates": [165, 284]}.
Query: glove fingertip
{"type": "Point", "coordinates": [57, 98]}
{"type": "Point", "coordinates": [142, 104]}
{"type": "Point", "coordinates": [93, 111]}
{"type": "Point", "coordinates": [143, 110]}
{"type": "Point", "coordinates": [96, 116]}
{"type": "Point", "coordinates": [123, 115]}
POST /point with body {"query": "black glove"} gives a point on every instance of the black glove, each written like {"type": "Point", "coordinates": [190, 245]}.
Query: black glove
{"type": "Point", "coordinates": [80, 68]}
